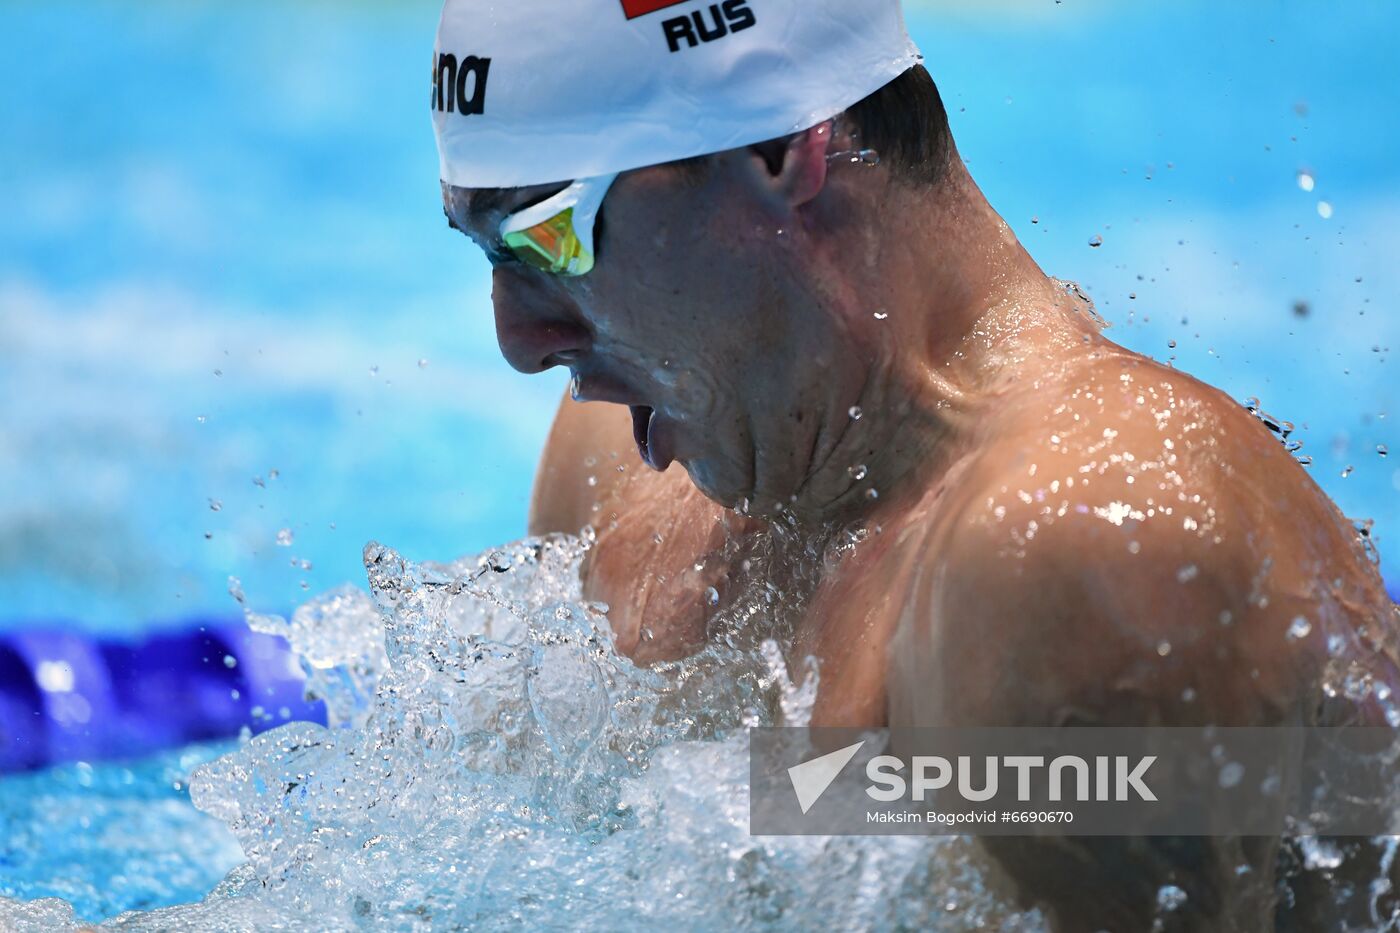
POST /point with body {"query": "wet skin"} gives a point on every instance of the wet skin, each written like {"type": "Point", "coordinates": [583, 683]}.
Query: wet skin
{"type": "Point", "coordinates": [1063, 532]}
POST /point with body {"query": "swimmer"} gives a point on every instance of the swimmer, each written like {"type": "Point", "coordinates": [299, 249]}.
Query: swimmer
{"type": "Point", "coordinates": [785, 303]}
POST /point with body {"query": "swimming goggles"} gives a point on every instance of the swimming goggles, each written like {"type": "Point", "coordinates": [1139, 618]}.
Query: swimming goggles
{"type": "Point", "coordinates": [556, 235]}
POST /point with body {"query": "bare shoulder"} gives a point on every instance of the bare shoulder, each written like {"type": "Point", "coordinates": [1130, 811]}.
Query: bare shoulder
{"type": "Point", "coordinates": [579, 465]}
{"type": "Point", "coordinates": [658, 544]}
{"type": "Point", "coordinates": [1130, 544]}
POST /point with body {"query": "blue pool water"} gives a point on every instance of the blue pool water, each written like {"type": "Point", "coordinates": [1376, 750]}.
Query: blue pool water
{"type": "Point", "coordinates": [225, 281]}
{"type": "Point", "coordinates": [112, 837]}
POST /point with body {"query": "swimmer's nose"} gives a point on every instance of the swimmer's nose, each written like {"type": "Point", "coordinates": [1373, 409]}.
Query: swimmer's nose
{"type": "Point", "coordinates": [536, 327]}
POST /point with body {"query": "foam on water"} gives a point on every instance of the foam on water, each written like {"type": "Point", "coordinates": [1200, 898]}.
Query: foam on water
{"type": "Point", "coordinates": [491, 761]}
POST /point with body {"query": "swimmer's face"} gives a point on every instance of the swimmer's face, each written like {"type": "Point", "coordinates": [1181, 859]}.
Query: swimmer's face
{"type": "Point", "coordinates": [707, 314]}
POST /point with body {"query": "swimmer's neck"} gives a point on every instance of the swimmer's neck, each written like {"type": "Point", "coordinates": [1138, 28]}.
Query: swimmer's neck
{"type": "Point", "coordinates": [962, 303]}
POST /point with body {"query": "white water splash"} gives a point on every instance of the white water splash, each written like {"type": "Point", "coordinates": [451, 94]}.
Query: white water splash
{"type": "Point", "coordinates": [493, 763]}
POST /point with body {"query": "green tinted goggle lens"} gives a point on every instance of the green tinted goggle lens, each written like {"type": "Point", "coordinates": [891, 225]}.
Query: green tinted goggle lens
{"type": "Point", "coordinates": [551, 246]}
{"type": "Point", "coordinates": [556, 235]}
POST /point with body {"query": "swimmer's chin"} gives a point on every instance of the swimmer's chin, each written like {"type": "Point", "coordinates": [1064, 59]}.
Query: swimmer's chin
{"type": "Point", "coordinates": [703, 475]}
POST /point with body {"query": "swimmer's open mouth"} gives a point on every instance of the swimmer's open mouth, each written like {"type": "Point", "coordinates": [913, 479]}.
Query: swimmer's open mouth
{"type": "Point", "coordinates": [655, 435]}
{"type": "Point", "coordinates": [641, 425]}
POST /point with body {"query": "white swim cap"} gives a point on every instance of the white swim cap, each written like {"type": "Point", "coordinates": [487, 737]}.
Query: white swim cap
{"type": "Point", "coordinates": [529, 92]}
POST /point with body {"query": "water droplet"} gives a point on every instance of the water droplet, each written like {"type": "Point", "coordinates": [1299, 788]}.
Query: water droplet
{"type": "Point", "coordinates": [1382, 450]}
{"type": "Point", "coordinates": [1336, 644]}
{"type": "Point", "coordinates": [712, 596]}
{"type": "Point", "coordinates": [1096, 241]}
{"type": "Point", "coordinates": [374, 370]}
{"type": "Point", "coordinates": [423, 363]}
{"type": "Point", "coordinates": [881, 315]}
{"type": "Point", "coordinates": [201, 418]}
{"type": "Point", "coordinates": [1324, 210]}
{"type": "Point", "coordinates": [230, 661]}
{"type": "Point", "coordinates": [220, 372]}
{"type": "Point", "coordinates": [284, 538]}
{"type": "Point", "coordinates": [215, 505]}
{"type": "Point", "coordinates": [1187, 574]}
{"type": "Point", "coordinates": [1300, 628]}
{"type": "Point", "coordinates": [1170, 898]}
{"type": "Point", "coordinates": [855, 412]}
{"type": "Point", "coordinates": [856, 156]}
{"type": "Point", "coordinates": [1231, 774]}
{"type": "Point", "coordinates": [1164, 648]}
{"type": "Point", "coordinates": [858, 472]}
{"type": "Point", "coordinates": [1348, 471]}
{"type": "Point", "coordinates": [1306, 180]}
{"type": "Point", "coordinates": [872, 494]}
{"type": "Point", "coordinates": [1172, 344]}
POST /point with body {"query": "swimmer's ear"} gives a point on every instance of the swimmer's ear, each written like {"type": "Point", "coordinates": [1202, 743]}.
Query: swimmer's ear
{"type": "Point", "coordinates": [794, 168]}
